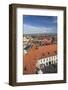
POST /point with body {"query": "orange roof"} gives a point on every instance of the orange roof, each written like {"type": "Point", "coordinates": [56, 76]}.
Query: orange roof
{"type": "Point", "coordinates": [34, 54]}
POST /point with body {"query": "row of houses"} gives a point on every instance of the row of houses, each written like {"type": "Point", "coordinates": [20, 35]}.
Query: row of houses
{"type": "Point", "coordinates": [27, 41]}
{"type": "Point", "coordinates": [47, 61]}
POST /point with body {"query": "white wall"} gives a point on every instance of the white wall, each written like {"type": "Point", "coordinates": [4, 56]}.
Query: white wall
{"type": "Point", "coordinates": [4, 47]}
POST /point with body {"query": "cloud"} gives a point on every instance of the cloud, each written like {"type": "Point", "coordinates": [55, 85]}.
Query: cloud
{"type": "Point", "coordinates": [28, 29]}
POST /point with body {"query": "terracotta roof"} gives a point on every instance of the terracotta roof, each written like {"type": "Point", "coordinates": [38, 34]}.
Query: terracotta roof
{"type": "Point", "coordinates": [35, 54]}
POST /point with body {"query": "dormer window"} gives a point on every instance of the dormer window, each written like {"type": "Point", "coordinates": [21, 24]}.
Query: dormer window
{"type": "Point", "coordinates": [48, 53]}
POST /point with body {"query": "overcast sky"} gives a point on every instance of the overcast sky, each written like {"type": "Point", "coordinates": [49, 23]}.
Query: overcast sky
{"type": "Point", "coordinates": [39, 24]}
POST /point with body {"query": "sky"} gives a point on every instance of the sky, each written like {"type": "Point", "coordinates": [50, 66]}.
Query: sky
{"type": "Point", "coordinates": [39, 24]}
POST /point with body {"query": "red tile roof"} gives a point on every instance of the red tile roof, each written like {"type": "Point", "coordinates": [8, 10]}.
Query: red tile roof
{"type": "Point", "coordinates": [34, 54]}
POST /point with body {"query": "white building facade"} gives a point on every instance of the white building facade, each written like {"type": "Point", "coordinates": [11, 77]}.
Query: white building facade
{"type": "Point", "coordinates": [47, 61]}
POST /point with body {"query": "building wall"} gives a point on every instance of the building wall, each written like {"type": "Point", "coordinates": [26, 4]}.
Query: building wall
{"type": "Point", "coordinates": [52, 59]}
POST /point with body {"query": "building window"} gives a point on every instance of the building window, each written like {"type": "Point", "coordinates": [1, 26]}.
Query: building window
{"type": "Point", "coordinates": [55, 57]}
{"type": "Point", "coordinates": [47, 63]}
{"type": "Point", "coordinates": [52, 62]}
{"type": "Point", "coordinates": [44, 60]}
{"type": "Point", "coordinates": [52, 57]}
